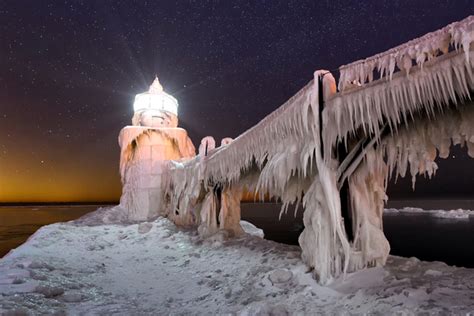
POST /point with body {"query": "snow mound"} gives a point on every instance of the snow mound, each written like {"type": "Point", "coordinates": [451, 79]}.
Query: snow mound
{"type": "Point", "coordinates": [251, 229]}
{"type": "Point", "coordinates": [105, 215]}
{"type": "Point", "coordinates": [457, 214]}
{"type": "Point", "coordinates": [447, 214]}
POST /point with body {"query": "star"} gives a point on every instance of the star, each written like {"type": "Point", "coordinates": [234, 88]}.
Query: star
{"type": "Point", "coordinates": [72, 69]}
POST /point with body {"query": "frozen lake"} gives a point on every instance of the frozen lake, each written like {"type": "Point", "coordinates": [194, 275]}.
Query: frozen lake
{"type": "Point", "coordinates": [421, 235]}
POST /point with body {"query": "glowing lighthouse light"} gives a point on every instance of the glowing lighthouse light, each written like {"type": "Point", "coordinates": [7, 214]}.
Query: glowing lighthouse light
{"type": "Point", "coordinates": [155, 108]}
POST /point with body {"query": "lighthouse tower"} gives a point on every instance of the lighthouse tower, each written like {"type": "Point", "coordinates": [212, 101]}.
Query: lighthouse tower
{"type": "Point", "coordinates": [146, 147]}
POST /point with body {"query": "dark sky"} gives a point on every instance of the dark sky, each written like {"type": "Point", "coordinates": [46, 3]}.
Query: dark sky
{"type": "Point", "coordinates": [69, 71]}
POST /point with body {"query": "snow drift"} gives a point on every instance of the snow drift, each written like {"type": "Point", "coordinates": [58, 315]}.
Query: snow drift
{"type": "Point", "coordinates": [88, 268]}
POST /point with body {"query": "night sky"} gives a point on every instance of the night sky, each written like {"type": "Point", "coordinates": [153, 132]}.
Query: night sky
{"type": "Point", "coordinates": [69, 71]}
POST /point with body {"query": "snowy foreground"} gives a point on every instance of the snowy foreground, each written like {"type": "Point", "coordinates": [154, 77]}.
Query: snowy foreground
{"type": "Point", "coordinates": [84, 267]}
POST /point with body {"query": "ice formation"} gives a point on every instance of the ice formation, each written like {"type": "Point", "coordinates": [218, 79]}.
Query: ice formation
{"type": "Point", "coordinates": [311, 148]}
{"type": "Point", "coordinates": [444, 81]}
{"type": "Point", "coordinates": [417, 51]}
{"type": "Point", "coordinates": [207, 144]}
{"type": "Point", "coordinates": [226, 141]}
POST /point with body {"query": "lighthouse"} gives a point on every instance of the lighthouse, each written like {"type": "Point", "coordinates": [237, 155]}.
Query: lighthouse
{"type": "Point", "coordinates": [147, 146]}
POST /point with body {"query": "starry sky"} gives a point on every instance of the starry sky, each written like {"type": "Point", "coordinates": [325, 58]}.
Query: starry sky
{"type": "Point", "coordinates": [69, 71]}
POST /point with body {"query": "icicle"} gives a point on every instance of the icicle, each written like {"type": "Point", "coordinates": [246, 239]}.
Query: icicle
{"type": "Point", "coordinates": [422, 50]}
{"type": "Point", "coordinates": [437, 85]}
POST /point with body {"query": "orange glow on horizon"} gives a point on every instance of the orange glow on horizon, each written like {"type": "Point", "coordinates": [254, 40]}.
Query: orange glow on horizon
{"type": "Point", "coordinates": [51, 176]}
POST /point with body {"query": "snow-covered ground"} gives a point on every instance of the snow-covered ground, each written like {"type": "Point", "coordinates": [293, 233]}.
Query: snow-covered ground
{"type": "Point", "coordinates": [156, 268]}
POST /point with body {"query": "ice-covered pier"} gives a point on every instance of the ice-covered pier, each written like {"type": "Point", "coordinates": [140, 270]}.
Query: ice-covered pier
{"type": "Point", "coordinates": [330, 148]}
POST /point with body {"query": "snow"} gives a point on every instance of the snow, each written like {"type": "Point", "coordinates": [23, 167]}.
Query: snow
{"type": "Point", "coordinates": [446, 214]}
{"type": "Point", "coordinates": [88, 267]}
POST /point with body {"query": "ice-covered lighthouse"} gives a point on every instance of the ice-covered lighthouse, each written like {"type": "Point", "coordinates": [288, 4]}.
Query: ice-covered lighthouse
{"type": "Point", "coordinates": [146, 147]}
